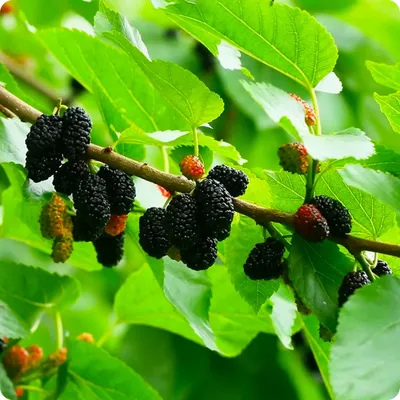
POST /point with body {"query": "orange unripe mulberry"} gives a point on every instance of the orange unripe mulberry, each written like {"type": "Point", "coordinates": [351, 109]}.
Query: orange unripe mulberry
{"type": "Point", "coordinates": [192, 167]}
{"type": "Point", "coordinates": [116, 225]}
{"type": "Point", "coordinates": [16, 361]}
{"type": "Point", "coordinates": [59, 357]}
{"type": "Point", "coordinates": [53, 218]}
{"type": "Point", "coordinates": [86, 337]}
{"type": "Point", "coordinates": [62, 248]}
{"type": "Point", "coordinates": [310, 117]}
{"type": "Point", "coordinates": [35, 355]}
{"type": "Point", "coordinates": [6, 8]}
{"type": "Point", "coordinates": [19, 392]}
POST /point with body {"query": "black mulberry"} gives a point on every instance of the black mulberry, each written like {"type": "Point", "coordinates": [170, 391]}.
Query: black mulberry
{"type": "Point", "coordinates": [41, 167]}
{"type": "Point", "coordinates": [66, 179]}
{"type": "Point", "coordinates": [265, 260]}
{"type": "Point", "coordinates": [351, 282]}
{"type": "Point", "coordinates": [92, 208]}
{"type": "Point", "coordinates": [215, 209]}
{"type": "Point", "coordinates": [109, 249]}
{"type": "Point", "coordinates": [120, 188]}
{"type": "Point", "coordinates": [181, 221]}
{"type": "Point", "coordinates": [235, 181]}
{"type": "Point", "coordinates": [382, 268]}
{"type": "Point", "coordinates": [45, 134]}
{"type": "Point", "coordinates": [76, 133]}
{"type": "Point", "coordinates": [201, 255]}
{"type": "Point", "coordinates": [335, 213]}
{"type": "Point", "coordinates": [153, 236]}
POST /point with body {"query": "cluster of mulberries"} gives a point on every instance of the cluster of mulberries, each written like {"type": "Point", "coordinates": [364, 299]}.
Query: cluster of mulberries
{"type": "Point", "coordinates": [192, 224]}
{"type": "Point", "coordinates": [53, 138]}
{"type": "Point", "coordinates": [265, 260]}
{"type": "Point", "coordinates": [322, 217]}
{"type": "Point", "coordinates": [102, 201]}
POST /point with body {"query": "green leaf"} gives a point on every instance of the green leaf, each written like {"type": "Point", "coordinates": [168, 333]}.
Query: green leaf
{"type": "Point", "coordinates": [141, 300]}
{"type": "Point", "coordinates": [366, 348]}
{"type": "Point", "coordinates": [29, 291]}
{"type": "Point", "coordinates": [351, 142]}
{"type": "Point", "coordinates": [385, 187]}
{"type": "Point", "coordinates": [11, 325]}
{"type": "Point", "coordinates": [287, 190]}
{"type": "Point", "coordinates": [8, 81]}
{"type": "Point", "coordinates": [107, 20]}
{"type": "Point", "coordinates": [190, 292]}
{"type": "Point", "coordinates": [244, 236]}
{"type": "Point", "coordinates": [93, 375]}
{"type": "Point", "coordinates": [95, 63]}
{"type": "Point", "coordinates": [384, 159]}
{"type": "Point", "coordinates": [317, 6]}
{"type": "Point", "coordinates": [387, 75]}
{"type": "Point", "coordinates": [180, 88]}
{"type": "Point", "coordinates": [12, 140]}
{"type": "Point", "coordinates": [6, 386]}
{"type": "Point", "coordinates": [262, 33]}
{"type": "Point", "coordinates": [390, 106]}
{"type": "Point", "coordinates": [280, 107]}
{"type": "Point", "coordinates": [371, 218]}
{"type": "Point", "coordinates": [330, 84]}
{"type": "Point", "coordinates": [284, 313]}
{"type": "Point", "coordinates": [232, 319]}
{"type": "Point", "coordinates": [178, 138]}
{"type": "Point", "coordinates": [319, 348]}
{"type": "Point", "coordinates": [316, 271]}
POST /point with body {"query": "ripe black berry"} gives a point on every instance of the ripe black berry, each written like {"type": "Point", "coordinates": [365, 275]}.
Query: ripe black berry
{"type": "Point", "coordinates": [153, 236]}
{"type": "Point", "coordinates": [120, 188]}
{"type": "Point", "coordinates": [44, 134]}
{"type": "Point", "coordinates": [215, 209]}
{"type": "Point", "coordinates": [235, 181]}
{"type": "Point", "coordinates": [351, 282]}
{"type": "Point", "coordinates": [265, 260]}
{"type": "Point", "coordinates": [201, 255]}
{"type": "Point", "coordinates": [109, 249]}
{"type": "Point", "coordinates": [76, 133]}
{"type": "Point", "coordinates": [68, 176]}
{"type": "Point", "coordinates": [336, 214]}
{"type": "Point", "coordinates": [41, 167]}
{"type": "Point", "coordinates": [180, 219]}
{"type": "Point", "coordinates": [382, 268]}
{"type": "Point", "coordinates": [92, 208]}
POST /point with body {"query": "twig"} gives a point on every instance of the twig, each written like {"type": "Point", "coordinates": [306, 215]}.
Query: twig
{"type": "Point", "coordinates": [175, 183]}
{"type": "Point", "coordinates": [7, 112]}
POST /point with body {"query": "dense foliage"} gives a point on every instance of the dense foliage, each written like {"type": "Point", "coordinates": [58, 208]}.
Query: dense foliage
{"type": "Point", "coordinates": [269, 269]}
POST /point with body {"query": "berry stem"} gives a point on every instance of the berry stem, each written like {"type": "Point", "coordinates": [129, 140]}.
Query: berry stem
{"type": "Point", "coordinates": [33, 388]}
{"type": "Point", "coordinates": [105, 336]}
{"type": "Point", "coordinates": [59, 330]}
{"type": "Point", "coordinates": [314, 99]}
{"type": "Point", "coordinates": [365, 265]}
{"type": "Point", "coordinates": [276, 234]}
{"type": "Point", "coordinates": [164, 152]}
{"type": "Point", "coordinates": [195, 142]}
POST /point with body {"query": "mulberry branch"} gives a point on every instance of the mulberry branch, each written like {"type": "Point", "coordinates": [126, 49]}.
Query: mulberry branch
{"type": "Point", "coordinates": [174, 183]}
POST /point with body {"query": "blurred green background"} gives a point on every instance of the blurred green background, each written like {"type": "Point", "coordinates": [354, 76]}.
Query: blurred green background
{"type": "Point", "coordinates": [178, 368]}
